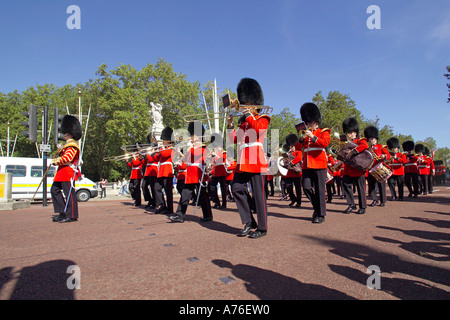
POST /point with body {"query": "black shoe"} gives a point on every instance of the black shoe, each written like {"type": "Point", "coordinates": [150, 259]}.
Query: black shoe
{"type": "Point", "coordinates": [382, 204]}
{"type": "Point", "coordinates": [410, 195]}
{"type": "Point", "coordinates": [394, 199]}
{"type": "Point", "coordinates": [257, 234]}
{"type": "Point", "coordinates": [176, 218]}
{"type": "Point", "coordinates": [216, 205]}
{"type": "Point", "coordinates": [223, 207]}
{"type": "Point", "coordinates": [298, 205]}
{"type": "Point", "coordinates": [291, 204]}
{"type": "Point", "coordinates": [318, 219]}
{"type": "Point", "coordinates": [247, 229]}
{"type": "Point", "coordinates": [350, 208]}
{"type": "Point", "coordinates": [64, 220]}
{"type": "Point", "coordinates": [374, 203]}
{"type": "Point", "coordinates": [206, 219]}
{"type": "Point", "coordinates": [58, 218]}
{"type": "Point", "coordinates": [361, 211]}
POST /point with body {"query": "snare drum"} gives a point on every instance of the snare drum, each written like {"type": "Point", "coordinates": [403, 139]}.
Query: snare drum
{"type": "Point", "coordinates": [330, 176]}
{"type": "Point", "coordinates": [381, 172]}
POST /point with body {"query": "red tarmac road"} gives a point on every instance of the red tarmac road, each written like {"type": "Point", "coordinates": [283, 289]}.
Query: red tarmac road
{"type": "Point", "coordinates": [126, 252]}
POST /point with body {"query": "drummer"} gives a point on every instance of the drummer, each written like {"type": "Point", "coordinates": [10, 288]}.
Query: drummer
{"type": "Point", "coordinates": [382, 154]}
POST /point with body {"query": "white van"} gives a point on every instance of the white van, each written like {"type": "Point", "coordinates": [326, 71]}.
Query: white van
{"type": "Point", "coordinates": [27, 174]}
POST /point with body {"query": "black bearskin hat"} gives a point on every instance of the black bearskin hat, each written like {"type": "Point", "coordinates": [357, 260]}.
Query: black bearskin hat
{"type": "Point", "coordinates": [285, 148]}
{"type": "Point", "coordinates": [249, 92]}
{"type": "Point", "coordinates": [371, 132]}
{"type": "Point", "coordinates": [196, 129]}
{"type": "Point", "coordinates": [350, 125]}
{"type": "Point", "coordinates": [72, 126]}
{"type": "Point", "coordinates": [419, 148]}
{"type": "Point", "coordinates": [393, 143]}
{"type": "Point", "coordinates": [426, 151]}
{"type": "Point", "coordinates": [310, 112]}
{"type": "Point", "coordinates": [291, 139]}
{"type": "Point", "coordinates": [408, 145]}
{"type": "Point", "coordinates": [166, 134]}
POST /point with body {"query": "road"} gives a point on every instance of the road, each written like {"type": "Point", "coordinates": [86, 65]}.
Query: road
{"type": "Point", "coordinates": [121, 252]}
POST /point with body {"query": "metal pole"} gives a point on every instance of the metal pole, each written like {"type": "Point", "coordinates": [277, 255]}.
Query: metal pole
{"type": "Point", "coordinates": [44, 157]}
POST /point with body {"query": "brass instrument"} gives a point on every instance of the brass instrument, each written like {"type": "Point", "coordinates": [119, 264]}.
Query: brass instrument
{"type": "Point", "coordinates": [231, 107]}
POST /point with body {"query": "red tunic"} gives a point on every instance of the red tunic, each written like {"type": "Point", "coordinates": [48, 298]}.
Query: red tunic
{"type": "Point", "coordinates": [181, 169]}
{"type": "Point", "coordinates": [136, 168]}
{"type": "Point", "coordinates": [250, 136]}
{"type": "Point", "coordinates": [230, 171]}
{"type": "Point", "coordinates": [67, 161]}
{"type": "Point", "coordinates": [196, 164]}
{"type": "Point", "coordinates": [298, 157]}
{"type": "Point", "coordinates": [397, 165]}
{"type": "Point", "coordinates": [379, 149]}
{"type": "Point", "coordinates": [219, 165]}
{"type": "Point", "coordinates": [411, 164]}
{"type": "Point", "coordinates": [165, 163]}
{"type": "Point", "coordinates": [423, 165]}
{"type": "Point", "coordinates": [151, 165]}
{"type": "Point", "coordinates": [314, 154]}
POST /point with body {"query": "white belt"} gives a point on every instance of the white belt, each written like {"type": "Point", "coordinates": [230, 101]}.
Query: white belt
{"type": "Point", "coordinates": [313, 149]}
{"type": "Point", "coordinates": [251, 144]}
{"type": "Point", "coordinates": [411, 164]}
{"type": "Point", "coordinates": [162, 163]}
{"type": "Point", "coordinates": [135, 168]}
{"type": "Point", "coordinates": [151, 164]}
{"type": "Point", "coordinates": [195, 164]}
{"type": "Point", "coordinates": [422, 167]}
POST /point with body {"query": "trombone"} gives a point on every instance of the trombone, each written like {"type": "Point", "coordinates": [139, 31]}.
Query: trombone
{"type": "Point", "coordinates": [228, 104]}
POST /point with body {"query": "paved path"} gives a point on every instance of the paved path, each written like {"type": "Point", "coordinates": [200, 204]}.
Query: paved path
{"type": "Point", "coordinates": [126, 252]}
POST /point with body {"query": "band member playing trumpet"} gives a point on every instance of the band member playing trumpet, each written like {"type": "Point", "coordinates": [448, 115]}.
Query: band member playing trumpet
{"type": "Point", "coordinates": [251, 160]}
{"type": "Point", "coordinates": [352, 175]}
{"type": "Point", "coordinates": [411, 169]}
{"type": "Point", "coordinates": [314, 168]}
{"type": "Point", "coordinates": [63, 182]}
{"type": "Point", "coordinates": [293, 178]}
{"type": "Point", "coordinates": [136, 176]}
{"type": "Point", "coordinates": [398, 159]}
{"type": "Point", "coordinates": [150, 174]}
{"type": "Point", "coordinates": [164, 179]}
{"type": "Point", "coordinates": [196, 176]}
{"type": "Point", "coordinates": [422, 164]}
{"type": "Point", "coordinates": [219, 158]}
{"type": "Point", "coordinates": [381, 154]}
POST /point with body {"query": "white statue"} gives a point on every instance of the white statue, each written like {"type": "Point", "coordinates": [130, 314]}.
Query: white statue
{"type": "Point", "coordinates": [157, 120]}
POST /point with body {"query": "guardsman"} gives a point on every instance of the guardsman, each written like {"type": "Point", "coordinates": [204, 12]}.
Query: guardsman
{"type": "Point", "coordinates": [330, 184]}
{"type": "Point", "coordinates": [136, 176]}
{"type": "Point", "coordinates": [67, 172]}
{"type": "Point", "coordinates": [251, 159]}
{"type": "Point", "coordinates": [151, 172]}
{"type": "Point", "coordinates": [411, 169]}
{"type": "Point", "coordinates": [219, 174]}
{"type": "Point", "coordinates": [431, 170]}
{"type": "Point", "coordinates": [230, 166]}
{"type": "Point", "coordinates": [382, 154]}
{"type": "Point", "coordinates": [353, 175]}
{"type": "Point", "coordinates": [294, 178]}
{"type": "Point", "coordinates": [398, 160]}
{"type": "Point", "coordinates": [422, 165]}
{"type": "Point", "coordinates": [314, 169]}
{"type": "Point", "coordinates": [164, 179]}
{"type": "Point", "coordinates": [196, 176]}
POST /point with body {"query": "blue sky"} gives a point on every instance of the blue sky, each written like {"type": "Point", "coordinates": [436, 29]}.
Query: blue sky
{"type": "Point", "coordinates": [293, 48]}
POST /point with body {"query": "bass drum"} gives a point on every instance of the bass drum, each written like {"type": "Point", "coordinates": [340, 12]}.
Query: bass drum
{"type": "Point", "coordinates": [361, 161]}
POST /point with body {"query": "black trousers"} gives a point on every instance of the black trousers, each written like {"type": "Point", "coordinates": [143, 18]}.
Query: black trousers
{"type": "Point", "coordinates": [296, 183]}
{"type": "Point", "coordinates": [360, 182]}
{"type": "Point", "coordinates": [423, 183]}
{"type": "Point", "coordinates": [135, 190]}
{"type": "Point", "coordinates": [373, 186]}
{"type": "Point", "coordinates": [223, 189]}
{"type": "Point", "coordinates": [412, 183]}
{"type": "Point", "coordinates": [313, 181]}
{"type": "Point", "coordinates": [243, 199]}
{"type": "Point", "coordinates": [59, 200]}
{"type": "Point", "coordinates": [186, 196]}
{"type": "Point", "coordinates": [165, 183]}
{"type": "Point", "coordinates": [392, 181]}
{"type": "Point", "coordinates": [269, 183]}
{"type": "Point", "coordinates": [148, 189]}
{"type": "Point", "coordinates": [430, 183]}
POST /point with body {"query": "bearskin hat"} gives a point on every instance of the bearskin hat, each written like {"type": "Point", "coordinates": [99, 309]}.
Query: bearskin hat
{"type": "Point", "coordinates": [249, 92]}
{"type": "Point", "coordinates": [350, 125]}
{"type": "Point", "coordinates": [371, 132]}
{"type": "Point", "coordinates": [166, 134]}
{"type": "Point", "coordinates": [291, 139]}
{"type": "Point", "coordinates": [196, 128]}
{"type": "Point", "coordinates": [72, 126]}
{"type": "Point", "coordinates": [419, 148]}
{"type": "Point", "coordinates": [426, 151]}
{"type": "Point", "coordinates": [285, 148]}
{"type": "Point", "coordinates": [393, 143]}
{"type": "Point", "coordinates": [310, 112]}
{"type": "Point", "coordinates": [408, 145]}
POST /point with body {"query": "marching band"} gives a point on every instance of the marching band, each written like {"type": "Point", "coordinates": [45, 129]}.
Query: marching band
{"type": "Point", "coordinates": [315, 163]}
